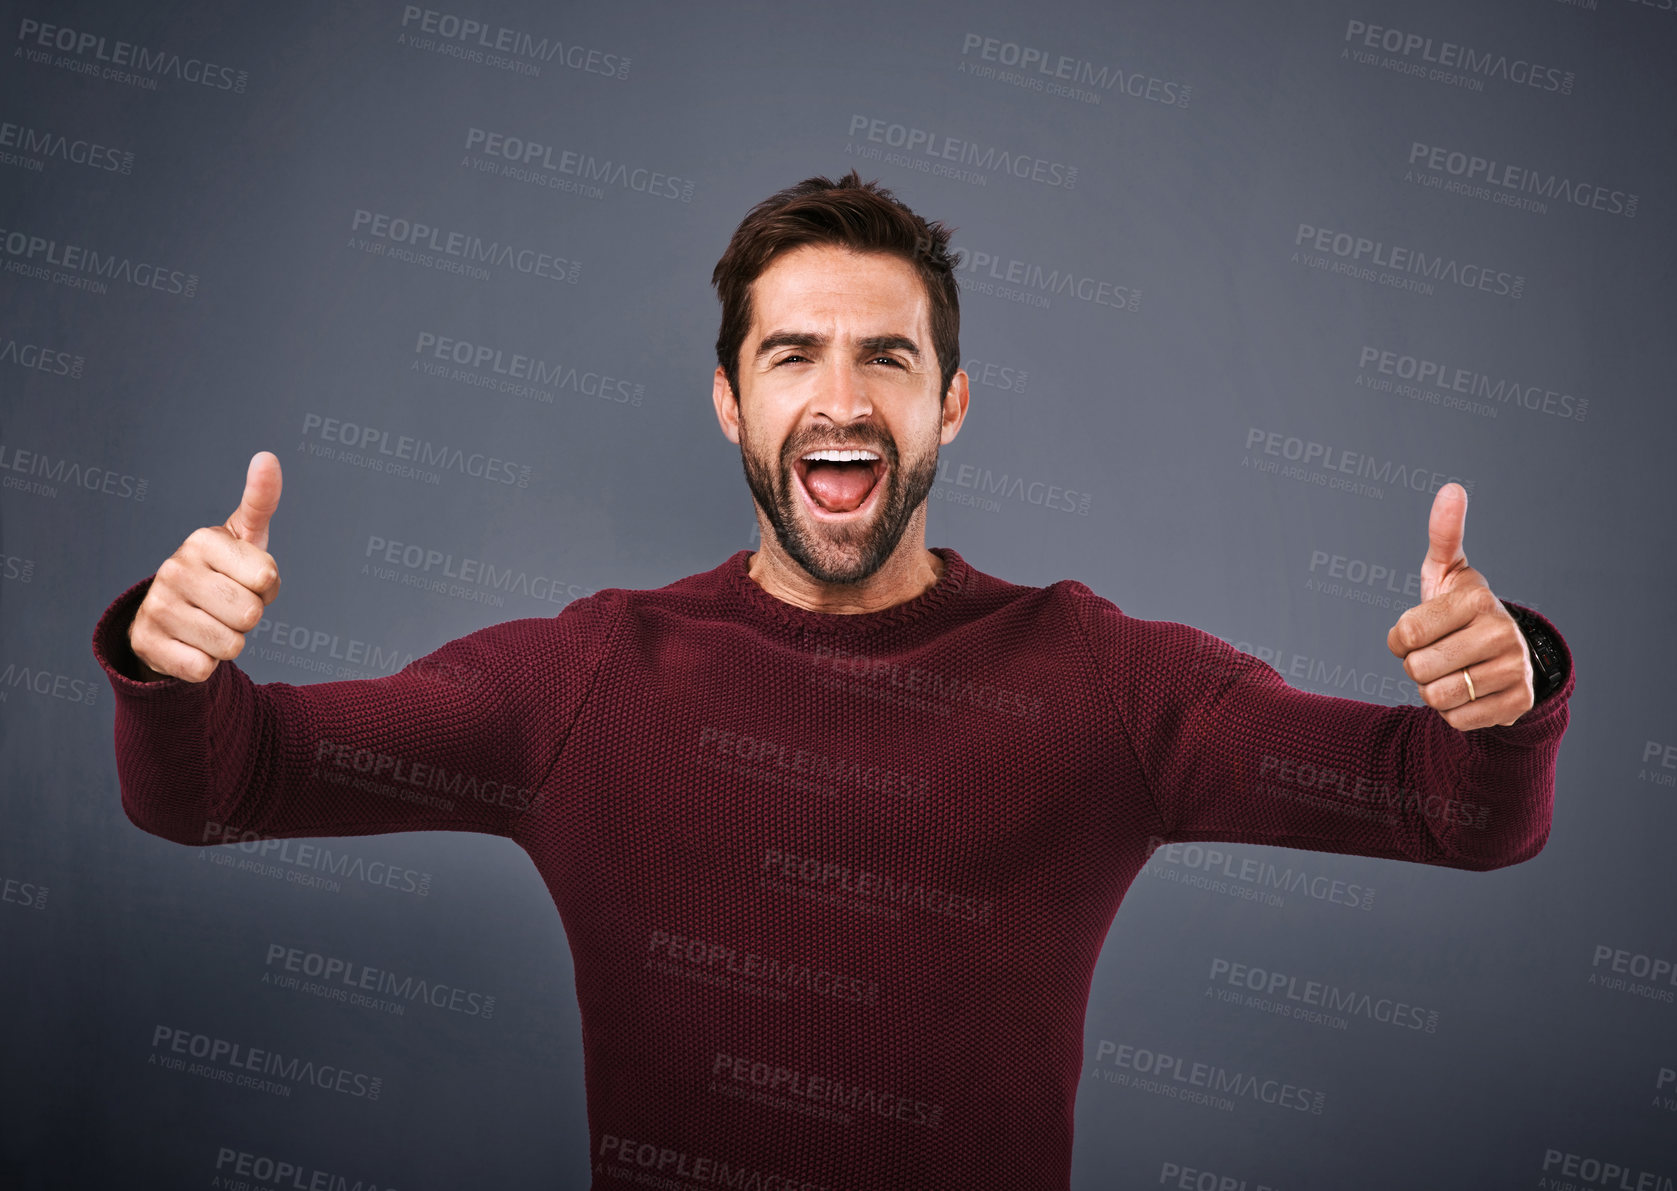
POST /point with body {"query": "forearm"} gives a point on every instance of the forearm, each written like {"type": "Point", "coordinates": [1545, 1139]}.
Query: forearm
{"type": "Point", "coordinates": [457, 740]}
{"type": "Point", "coordinates": [1232, 753]}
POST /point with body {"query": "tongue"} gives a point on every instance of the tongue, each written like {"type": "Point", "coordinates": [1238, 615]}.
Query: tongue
{"type": "Point", "coordinates": [838, 487]}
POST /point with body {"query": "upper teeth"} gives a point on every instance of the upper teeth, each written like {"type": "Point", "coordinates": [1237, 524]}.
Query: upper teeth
{"type": "Point", "coordinates": [840, 456]}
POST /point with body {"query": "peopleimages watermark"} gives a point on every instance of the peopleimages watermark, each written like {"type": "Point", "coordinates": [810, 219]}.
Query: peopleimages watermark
{"type": "Point", "coordinates": [1315, 1001]}
{"type": "Point", "coordinates": [531, 377]}
{"type": "Point", "coordinates": [1450, 62]}
{"type": "Point", "coordinates": [1343, 792]}
{"type": "Point", "coordinates": [984, 488]}
{"type": "Point", "coordinates": [408, 776]}
{"type": "Point", "coordinates": [26, 895]}
{"type": "Point", "coordinates": [1263, 881]}
{"type": "Point", "coordinates": [1471, 175]}
{"type": "Point", "coordinates": [42, 258]}
{"type": "Point", "coordinates": [1032, 68]}
{"type": "Point", "coordinates": [37, 357]}
{"type": "Point", "coordinates": [939, 692]}
{"type": "Point", "coordinates": [380, 449]}
{"type": "Point", "coordinates": [1618, 969]}
{"type": "Point", "coordinates": [868, 890]}
{"type": "Point", "coordinates": [31, 148]}
{"type": "Point", "coordinates": [1030, 283]}
{"type": "Point", "coordinates": [300, 863]}
{"type": "Point", "coordinates": [280, 1173]}
{"type": "Point", "coordinates": [257, 1068]}
{"type": "Point", "coordinates": [726, 966]}
{"type": "Point", "coordinates": [955, 157]}
{"type": "Point", "coordinates": [432, 569]}
{"type": "Point", "coordinates": [515, 50]}
{"type": "Point", "coordinates": [1327, 466]}
{"type": "Point", "coordinates": [121, 61]}
{"type": "Point", "coordinates": [522, 159]}
{"type": "Point", "coordinates": [420, 243]}
{"type": "Point", "coordinates": [1589, 1172]}
{"type": "Point", "coordinates": [658, 1165]}
{"type": "Point", "coordinates": [1007, 378]}
{"type": "Point", "coordinates": [802, 769]}
{"type": "Point", "coordinates": [326, 652]}
{"type": "Point", "coordinates": [49, 471]}
{"type": "Point", "coordinates": [336, 979]}
{"type": "Point", "coordinates": [1659, 763]}
{"type": "Point", "coordinates": [1196, 1082]}
{"type": "Point", "coordinates": [1440, 382]}
{"type": "Point", "coordinates": [821, 1095]}
{"type": "Point", "coordinates": [1397, 266]}
{"type": "Point", "coordinates": [1176, 1177]}
{"type": "Point", "coordinates": [1379, 585]}
{"type": "Point", "coordinates": [47, 683]}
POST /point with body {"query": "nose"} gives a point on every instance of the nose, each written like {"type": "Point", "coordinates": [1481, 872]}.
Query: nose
{"type": "Point", "coordinates": [840, 394]}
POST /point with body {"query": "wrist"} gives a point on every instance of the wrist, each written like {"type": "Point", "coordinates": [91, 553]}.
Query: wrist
{"type": "Point", "coordinates": [132, 665]}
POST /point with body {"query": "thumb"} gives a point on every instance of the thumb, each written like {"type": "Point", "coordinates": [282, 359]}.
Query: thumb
{"type": "Point", "coordinates": [1444, 538]}
{"type": "Point", "coordinates": [249, 522]}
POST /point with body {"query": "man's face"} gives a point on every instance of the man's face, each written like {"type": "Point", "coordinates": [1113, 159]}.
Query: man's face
{"type": "Point", "coordinates": [839, 355]}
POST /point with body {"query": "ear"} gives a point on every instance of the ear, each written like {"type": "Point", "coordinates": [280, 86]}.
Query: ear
{"type": "Point", "coordinates": [954, 406]}
{"type": "Point", "coordinates": [727, 406]}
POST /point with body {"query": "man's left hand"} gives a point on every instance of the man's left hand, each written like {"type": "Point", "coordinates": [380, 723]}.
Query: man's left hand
{"type": "Point", "coordinates": [1460, 631]}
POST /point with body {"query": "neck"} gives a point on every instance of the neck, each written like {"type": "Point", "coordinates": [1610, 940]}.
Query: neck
{"type": "Point", "coordinates": [911, 571]}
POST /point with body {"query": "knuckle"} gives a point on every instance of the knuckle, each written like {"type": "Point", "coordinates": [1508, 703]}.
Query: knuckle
{"type": "Point", "coordinates": [250, 617]}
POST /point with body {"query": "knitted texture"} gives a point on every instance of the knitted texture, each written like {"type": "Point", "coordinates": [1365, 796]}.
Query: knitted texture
{"type": "Point", "coordinates": [834, 885]}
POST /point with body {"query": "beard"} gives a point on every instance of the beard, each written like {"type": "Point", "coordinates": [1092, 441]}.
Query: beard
{"type": "Point", "coordinates": [854, 551]}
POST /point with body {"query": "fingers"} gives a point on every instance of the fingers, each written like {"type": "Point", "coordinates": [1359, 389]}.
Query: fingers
{"type": "Point", "coordinates": [175, 636]}
{"type": "Point", "coordinates": [1434, 619]}
{"type": "Point", "coordinates": [173, 658]}
{"type": "Point", "coordinates": [249, 522]}
{"type": "Point", "coordinates": [1482, 640]}
{"type": "Point", "coordinates": [1502, 708]}
{"type": "Point", "coordinates": [244, 563]}
{"type": "Point", "coordinates": [1491, 676]}
{"type": "Point", "coordinates": [1493, 652]}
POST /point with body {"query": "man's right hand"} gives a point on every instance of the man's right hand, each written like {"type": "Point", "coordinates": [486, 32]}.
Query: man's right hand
{"type": "Point", "coordinates": [211, 592]}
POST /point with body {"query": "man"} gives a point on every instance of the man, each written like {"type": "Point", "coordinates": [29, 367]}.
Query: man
{"type": "Point", "coordinates": [836, 829]}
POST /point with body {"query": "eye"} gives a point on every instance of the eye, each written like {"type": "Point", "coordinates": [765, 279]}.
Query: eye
{"type": "Point", "coordinates": [888, 360]}
{"type": "Point", "coordinates": [789, 359]}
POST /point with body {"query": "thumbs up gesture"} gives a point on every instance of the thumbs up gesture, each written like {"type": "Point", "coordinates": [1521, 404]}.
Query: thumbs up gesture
{"type": "Point", "coordinates": [211, 592]}
{"type": "Point", "coordinates": [1459, 644]}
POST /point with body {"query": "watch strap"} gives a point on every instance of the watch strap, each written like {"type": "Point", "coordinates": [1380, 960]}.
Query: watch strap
{"type": "Point", "coordinates": [1548, 669]}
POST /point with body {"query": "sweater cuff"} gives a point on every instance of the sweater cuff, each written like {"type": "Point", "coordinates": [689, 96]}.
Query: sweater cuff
{"type": "Point", "coordinates": [1539, 719]}
{"type": "Point", "coordinates": [116, 657]}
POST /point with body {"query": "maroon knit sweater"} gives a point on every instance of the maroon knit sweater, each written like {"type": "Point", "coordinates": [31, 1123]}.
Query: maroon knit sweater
{"type": "Point", "coordinates": [835, 885]}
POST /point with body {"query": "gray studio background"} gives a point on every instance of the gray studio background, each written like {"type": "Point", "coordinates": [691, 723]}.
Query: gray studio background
{"type": "Point", "coordinates": [1186, 389]}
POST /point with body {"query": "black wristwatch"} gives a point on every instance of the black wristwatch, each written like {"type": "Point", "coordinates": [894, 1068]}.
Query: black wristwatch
{"type": "Point", "coordinates": [1548, 669]}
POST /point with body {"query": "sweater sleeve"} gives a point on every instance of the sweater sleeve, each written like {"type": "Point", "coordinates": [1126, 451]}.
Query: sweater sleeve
{"type": "Point", "coordinates": [460, 739]}
{"type": "Point", "coordinates": [1230, 752]}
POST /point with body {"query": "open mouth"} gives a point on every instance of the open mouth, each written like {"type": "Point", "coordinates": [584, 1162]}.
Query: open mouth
{"type": "Point", "coordinates": [834, 490]}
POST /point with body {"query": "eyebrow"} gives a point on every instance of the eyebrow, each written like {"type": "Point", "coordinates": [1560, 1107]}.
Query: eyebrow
{"type": "Point", "coordinates": [869, 343]}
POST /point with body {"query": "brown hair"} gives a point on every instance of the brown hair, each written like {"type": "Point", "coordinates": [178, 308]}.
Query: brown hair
{"type": "Point", "coordinates": [862, 216]}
